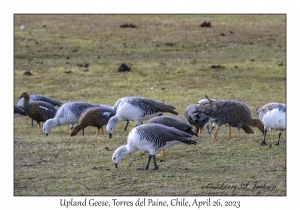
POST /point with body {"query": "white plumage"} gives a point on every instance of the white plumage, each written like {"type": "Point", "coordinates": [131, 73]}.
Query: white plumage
{"type": "Point", "coordinates": [151, 137]}
{"type": "Point", "coordinates": [273, 116]}
{"type": "Point", "coordinates": [68, 113]}
{"type": "Point", "coordinates": [137, 109]}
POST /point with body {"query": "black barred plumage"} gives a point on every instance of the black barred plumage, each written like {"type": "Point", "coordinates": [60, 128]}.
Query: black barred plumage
{"type": "Point", "coordinates": [230, 112]}
{"type": "Point", "coordinates": [264, 109]}
{"type": "Point", "coordinates": [151, 137]}
{"type": "Point", "coordinates": [273, 116]}
{"type": "Point", "coordinates": [137, 109]}
{"type": "Point", "coordinates": [146, 110]}
{"type": "Point", "coordinates": [68, 113]}
{"type": "Point", "coordinates": [75, 107]}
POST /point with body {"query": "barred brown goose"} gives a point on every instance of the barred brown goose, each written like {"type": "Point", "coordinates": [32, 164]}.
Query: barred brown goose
{"type": "Point", "coordinates": [230, 112]}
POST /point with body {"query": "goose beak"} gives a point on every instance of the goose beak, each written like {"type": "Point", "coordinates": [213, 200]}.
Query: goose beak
{"type": "Point", "coordinates": [116, 164]}
{"type": "Point", "coordinates": [110, 135]}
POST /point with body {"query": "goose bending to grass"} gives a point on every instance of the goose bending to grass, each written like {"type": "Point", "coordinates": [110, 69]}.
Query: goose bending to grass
{"type": "Point", "coordinates": [19, 111]}
{"type": "Point", "coordinates": [273, 116]}
{"type": "Point", "coordinates": [68, 113]}
{"type": "Point", "coordinates": [195, 118]}
{"type": "Point", "coordinates": [115, 107]}
{"type": "Point", "coordinates": [39, 111]}
{"type": "Point", "coordinates": [175, 122]}
{"type": "Point", "coordinates": [230, 112]}
{"type": "Point", "coordinates": [137, 109]}
{"type": "Point", "coordinates": [34, 97]}
{"type": "Point", "coordinates": [211, 120]}
{"type": "Point", "coordinates": [151, 137]}
{"type": "Point", "coordinates": [94, 116]}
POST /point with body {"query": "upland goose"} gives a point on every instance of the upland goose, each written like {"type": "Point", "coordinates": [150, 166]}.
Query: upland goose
{"type": "Point", "coordinates": [137, 109]}
{"type": "Point", "coordinates": [230, 112]}
{"type": "Point", "coordinates": [175, 122]}
{"type": "Point", "coordinates": [19, 111]}
{"type": "Point", "coordinates": [115, 107]}
{"type": "Point", "coordinates": [273, 116]}
{"type": "Point", "coordinates": [68, 113]}
{"type": "Point", "coordinates": [211, 120]}
{"type": "Point", "coordinates": [40, 111]}
{"type": "Point", "coordinates": [151, 137]}
{"type": "Point", "coordinates": [195, 118]}
{"type": "Point", "coordinates": [34, 97]}
{"type": "Point", "coordinates": [93, 116]}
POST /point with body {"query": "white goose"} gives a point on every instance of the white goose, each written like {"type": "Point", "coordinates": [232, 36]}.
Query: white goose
{"type": "Point", "coordinates": [68, 113]}
{"type": "Point", "coordinates": [137, 109]}
{"type": "Point", "coordinates": [151, 137]}
{"type": "Point", "coordinates": [273, 116]}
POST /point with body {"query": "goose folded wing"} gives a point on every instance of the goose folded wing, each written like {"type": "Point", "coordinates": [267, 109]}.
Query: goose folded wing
{"type": "Point", "coordinates": [159, 106]}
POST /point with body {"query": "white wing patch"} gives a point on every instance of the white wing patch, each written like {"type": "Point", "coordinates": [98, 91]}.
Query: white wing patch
{"type": "Point", "coordinates": [43, 107]}
{"type": "Point", "coordinates": [106, 113]}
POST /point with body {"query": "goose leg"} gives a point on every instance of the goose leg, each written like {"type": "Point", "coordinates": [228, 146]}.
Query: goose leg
{"type": "Point", "coordinates": [207, 126]}
{"type": "Point", "coordinates": [83, 132]}
{"type": "Point", "coordinates": [148, 163]}
{"type": "Point", "coordinates": [279, 134]}
{"type": "Point", "coordinates": [216, 132]}
{"type": "Point", "coordinates": [229, 132]}
{"type": "Point", "coordinates": [162, 154]}
{"type": "Point", "coordinates": [31, 122]}
{"type": "Point", "coordinates": [263, 143]}
{"type": "Point", "coordinates": [102, 130]}
{"type": "Point", "coordinates": [212, 127]}
{"type": "Point", "coordinates": [197, 130]}
{"type": "Point", "coordinates": [127, 122]}
{"type": "Point", "coordinates": [155, 165]}
{"type": "Point", "coordinates": [97, 132]}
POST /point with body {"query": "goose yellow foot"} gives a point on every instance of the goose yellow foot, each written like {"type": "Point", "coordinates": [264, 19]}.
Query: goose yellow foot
{"type": "Point", "coordinates": [214, 137]}
{"type": "Point", "coordinates": [162, 154]}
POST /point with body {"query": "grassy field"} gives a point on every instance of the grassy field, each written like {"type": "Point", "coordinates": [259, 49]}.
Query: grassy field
{"type": "Point", "coordinates": [172, 59]}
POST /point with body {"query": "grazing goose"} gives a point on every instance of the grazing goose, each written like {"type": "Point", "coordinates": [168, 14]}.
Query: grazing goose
{"type": "Point", "coordinates": [230, 112]}
{"type": "Point", "coordinates": [115, 107]}
{"type": "Point", "coordinates": [94, 116]}
{"type": "Point", "coordinates": [34, 97]}
{"type": "Point", "coordinates": [197, 119]}
{"type": "Point", "coordinates": [137, 109]}
{"type": "Point", "coordinates": [211, 120]}
{"type": "Point", "coordinates": [68, 113]}
{"type": "Point", "coordinates": [39, 111]}
{"type": "Point", "coordinates": [272, 115]}
{"type": "Point", "coordinates": [19, 111]}
{"type": "Point", "coordinates": [151, 137]}
{"type": "Point", "coordinates": [175, 122]}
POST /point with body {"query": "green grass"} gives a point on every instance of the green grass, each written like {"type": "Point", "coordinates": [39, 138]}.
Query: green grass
{"type": "Point", "coordinates": [252, 56]}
